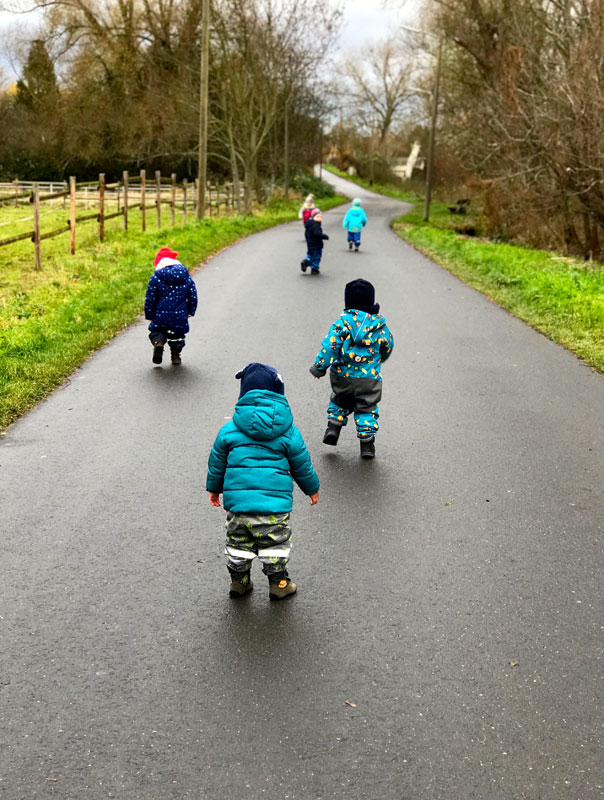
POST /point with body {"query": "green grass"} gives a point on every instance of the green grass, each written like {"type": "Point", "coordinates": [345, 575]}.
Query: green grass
{"type": "Point", "coordinates": [52, 320]}
{"type": "Point", "coordinates": [561, 297]}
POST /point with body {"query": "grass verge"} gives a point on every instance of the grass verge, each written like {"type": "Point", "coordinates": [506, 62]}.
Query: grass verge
{"type": "Point", "coordinates": [561, 297]}
{"type": "Point", "coordinates": [52, 320]}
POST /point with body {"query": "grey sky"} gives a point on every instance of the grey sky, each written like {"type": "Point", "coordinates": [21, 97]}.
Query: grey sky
{"type": "Point", "coordinates": [363, 21]}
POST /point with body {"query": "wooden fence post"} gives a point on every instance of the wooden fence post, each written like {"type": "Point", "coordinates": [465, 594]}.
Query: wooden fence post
{"type": "Point", "coordinates": [72, 215]}
{"type": "Point", "coordinates": [125, 209]}
{"type": "Point", "coordinates": [101, 206]}
{"type": "Point", "coordinates": [16, 182]}
{"type": "Point", "coordinates": [209, 192]}
{"type": "Point", "coordinates": [143, 193]}
{"type": "Point", "coordinates": [158, 196]}
{"type": "Point", "coordinates": [173, 199]}
{"type": "Point", "coordinates": [184, 201]}
{"type": "Point", "coordinates": [196, 196]}
{"type": "Point", "coordinates": [37, 256]}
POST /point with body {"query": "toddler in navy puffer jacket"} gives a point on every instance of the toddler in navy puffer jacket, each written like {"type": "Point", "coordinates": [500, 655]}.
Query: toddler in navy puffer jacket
{"type": "Point", "coordinates": [170, 300]}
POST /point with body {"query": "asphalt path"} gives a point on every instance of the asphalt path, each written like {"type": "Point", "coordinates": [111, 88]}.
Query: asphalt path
{"type": "Point", "coordinates": [447, 636]}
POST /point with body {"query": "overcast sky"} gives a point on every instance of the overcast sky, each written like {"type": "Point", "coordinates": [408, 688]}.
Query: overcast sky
{"type": "Point", "coordinates": [363, 21]}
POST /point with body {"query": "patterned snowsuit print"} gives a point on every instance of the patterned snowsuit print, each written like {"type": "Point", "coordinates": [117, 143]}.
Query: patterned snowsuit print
{"type": "Point", "coordinates": [267, 536]}
{"type": "Point", "coordinates": [354, 349]}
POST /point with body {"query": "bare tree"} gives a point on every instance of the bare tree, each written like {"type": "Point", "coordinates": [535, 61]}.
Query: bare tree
{"type": "Point", "coordinates": [380, 81]}
{"type": "Point", "coordinates": [524, 109]}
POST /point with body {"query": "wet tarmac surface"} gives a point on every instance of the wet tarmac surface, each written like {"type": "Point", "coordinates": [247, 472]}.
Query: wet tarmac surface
{"type": "Point", "coordinates": [447, 637]}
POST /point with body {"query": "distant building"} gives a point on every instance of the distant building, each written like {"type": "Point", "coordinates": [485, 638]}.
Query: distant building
{"type": "Point", "coordinates": [403, 167]}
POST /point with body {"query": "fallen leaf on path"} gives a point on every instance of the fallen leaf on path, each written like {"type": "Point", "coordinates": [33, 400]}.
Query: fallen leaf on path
{"type": "Point", "coordinates": [514, 663]}
{"type": "Point", "coordinates": [352, 705]}
{"type": "Point", "coordinates": [449, 502]}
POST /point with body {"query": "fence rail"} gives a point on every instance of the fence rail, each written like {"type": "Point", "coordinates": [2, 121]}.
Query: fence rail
{"type": "Point", "coordinates": [132, 192]}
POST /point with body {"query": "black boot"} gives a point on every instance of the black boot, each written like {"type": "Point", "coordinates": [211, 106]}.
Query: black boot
{"type": "Point", "coordinates": [175, 355]}
{"type": "Point", "coordinates": [332, 434]}
{"type": "Point", "coordinates": [304, 265]}
{"type": "Point", "coordinates": [158, 349]}
{"type": "Point", "coordinates": [368, 447]}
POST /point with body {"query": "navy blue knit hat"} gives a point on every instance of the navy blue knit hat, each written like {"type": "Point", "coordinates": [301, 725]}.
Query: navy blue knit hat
{"type": "Point", "coordinates": [260, 376]}
{"type": "Point", "coordinates": [360, 294]}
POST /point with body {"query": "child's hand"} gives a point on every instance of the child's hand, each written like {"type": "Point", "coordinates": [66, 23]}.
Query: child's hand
{"type": "Point", "coordinates": [215, 499]}
{"type": "Point", "coordinates": [314, 499]}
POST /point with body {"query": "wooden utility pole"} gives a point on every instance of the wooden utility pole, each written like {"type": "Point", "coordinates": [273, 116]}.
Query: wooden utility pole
{"type": "Point", "coordinates": [286, 150]}
{"type": "Point", "coordinates": [430, 164]}
{"type": "Point", "coordinates": [202, 169]}
{"type": "Point", "coordinates": [321, 153]}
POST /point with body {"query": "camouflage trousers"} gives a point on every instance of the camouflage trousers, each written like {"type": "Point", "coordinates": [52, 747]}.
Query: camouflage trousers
{"type": "Point", "coordinates": [266, 536]}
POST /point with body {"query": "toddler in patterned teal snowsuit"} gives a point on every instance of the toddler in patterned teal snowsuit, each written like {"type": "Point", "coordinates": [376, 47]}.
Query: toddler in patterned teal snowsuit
{"type": "Point", "coordinates": [357, 344]}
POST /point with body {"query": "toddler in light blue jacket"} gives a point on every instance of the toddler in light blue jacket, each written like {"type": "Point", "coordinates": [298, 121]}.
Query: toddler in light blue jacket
{"type": "Point", "coordinates": [254, 462]}
{"type": "Point", "coordinates": [354, 222]}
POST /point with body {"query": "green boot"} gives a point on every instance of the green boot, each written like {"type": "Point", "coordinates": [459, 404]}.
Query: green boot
{"type": "Point", "coordinates": [240, 585]}
{"type": "Point", "coordinates": [277, 590]}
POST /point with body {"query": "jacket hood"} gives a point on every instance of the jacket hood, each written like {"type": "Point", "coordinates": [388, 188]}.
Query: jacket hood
{"type": "Point", "coordinates": [356, 202]}
{"type": "Point", "coordinates": [173, 273]}
{"type": "Point", "coordinates": [263, 415]}
{"type": "Point", "coordinates": [367, 323]}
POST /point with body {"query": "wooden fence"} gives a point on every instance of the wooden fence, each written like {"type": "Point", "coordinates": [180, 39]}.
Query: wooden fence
{"type": "Point", "coordinates": [132, 192]}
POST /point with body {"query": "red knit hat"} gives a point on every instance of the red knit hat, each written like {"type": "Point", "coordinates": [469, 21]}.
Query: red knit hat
{"type": "Point", "coordinates": [165, 252]}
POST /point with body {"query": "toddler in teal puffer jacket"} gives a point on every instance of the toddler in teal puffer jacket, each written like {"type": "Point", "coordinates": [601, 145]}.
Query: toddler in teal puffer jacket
{"type": "Point", "coordinates": [254, 462]}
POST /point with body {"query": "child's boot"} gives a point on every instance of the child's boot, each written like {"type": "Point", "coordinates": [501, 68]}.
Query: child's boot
{"type": "Point", "coordinates": [158, 349]}
{"type": "Point", "coordinates": [175, 356]}
{"type": "Point", "coordinates": [332, 434]}
{"type": "Point", "coordinates": [350, 245]}
{"type": "Point", "coordinates": [368, 447]}
{"type": "Point", "coordinates": [241, 584]}
{"type": "Point", "coordinates": [304, 265]}
{"type": "Point", "coordinates": [281, 587]}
